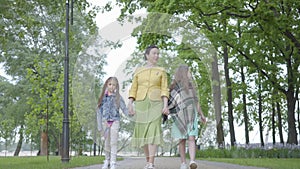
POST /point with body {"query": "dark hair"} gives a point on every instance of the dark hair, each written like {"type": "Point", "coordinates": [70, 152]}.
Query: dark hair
{"type": "Point", "coordinates": [148, 49]}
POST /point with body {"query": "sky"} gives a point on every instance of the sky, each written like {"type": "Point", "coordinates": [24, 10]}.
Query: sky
{"type": "Point", "coordinates": [106, 21]}
{"type": "Point", "coordinates": [2, 72]}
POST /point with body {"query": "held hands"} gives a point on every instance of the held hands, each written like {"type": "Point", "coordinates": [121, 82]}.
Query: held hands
{"type": "Point", "coordinates": [130, 109]}
{"type": "Point", "coordinates": [165, 111]}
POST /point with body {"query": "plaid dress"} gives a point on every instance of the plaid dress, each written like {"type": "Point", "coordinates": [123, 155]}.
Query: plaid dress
{"type": "Point", "coordinates": [182, 106]}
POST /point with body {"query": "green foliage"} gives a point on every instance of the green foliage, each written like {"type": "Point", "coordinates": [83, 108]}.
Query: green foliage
{"type": "Point", "coordinates": [249, 153]}
{"type": "Point", "coordinates": [261, 37]}
{"type": "Point", "coordinates": [7, 130]}
{"type": "Point", "coordinates": [32, 51]}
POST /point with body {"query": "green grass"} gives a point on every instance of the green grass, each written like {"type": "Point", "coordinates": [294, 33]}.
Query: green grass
{"type": "Point", "coordinates": [40, 162]}
{"type": "Point", "coordinates": [271, 163]}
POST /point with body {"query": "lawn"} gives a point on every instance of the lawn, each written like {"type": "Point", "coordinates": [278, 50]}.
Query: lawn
{"type": "Point", "coordinates": [41, 162]}
{"type": "Point", "coordinates": [271, 163]}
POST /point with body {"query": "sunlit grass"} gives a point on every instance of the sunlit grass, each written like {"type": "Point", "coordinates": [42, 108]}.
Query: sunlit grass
{"type": "Point", "coordinates": [271, 163]}
{"type": "Point", "coordinates": [41, 162]}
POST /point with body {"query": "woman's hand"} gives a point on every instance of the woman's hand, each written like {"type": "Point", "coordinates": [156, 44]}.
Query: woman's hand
{"type": "Point", "coordinates": [131, 111]}
{"type": "Point", "coordinates": [165, 110]}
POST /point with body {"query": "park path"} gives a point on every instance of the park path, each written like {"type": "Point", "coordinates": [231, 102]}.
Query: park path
{"type": "Point", "coordinates": [168, 163]}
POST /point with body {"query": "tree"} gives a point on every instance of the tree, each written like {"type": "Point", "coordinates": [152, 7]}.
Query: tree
{"type": "Point", "coordinates": [32, 52]}
{"type": "Point", "coordinates": [216, 89]}
{"type": "Point", "coordinates": [267, 33]}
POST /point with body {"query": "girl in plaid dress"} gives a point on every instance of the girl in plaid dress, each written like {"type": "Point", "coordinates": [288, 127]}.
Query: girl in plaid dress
{"type": "Point", "coordinates": [184, 109]}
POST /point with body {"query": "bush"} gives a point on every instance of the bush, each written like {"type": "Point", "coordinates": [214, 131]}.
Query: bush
{"type": "Point", "coordinates": [240, 152]}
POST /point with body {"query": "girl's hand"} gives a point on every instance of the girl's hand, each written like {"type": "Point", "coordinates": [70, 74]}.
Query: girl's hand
{"type": "Point", "coordinates": [130, 109]}
{"type": "Point", "coordinates": [202, 118]}
{"type": "Point", "coordinates": [165, 111]}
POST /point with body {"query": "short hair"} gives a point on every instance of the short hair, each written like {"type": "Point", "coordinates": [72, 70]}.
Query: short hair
{"type": "Point", "coordinates": [148, 49]}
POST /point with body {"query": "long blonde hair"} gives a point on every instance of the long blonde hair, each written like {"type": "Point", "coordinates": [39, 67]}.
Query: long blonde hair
{"type": "Point", "coordinates": [182, 78]}
{"type": "Point", "coordinates": [104, 90]}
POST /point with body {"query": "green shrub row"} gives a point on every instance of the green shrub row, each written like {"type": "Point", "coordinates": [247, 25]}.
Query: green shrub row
{"type": "Point", "coordinates": [248, 153]}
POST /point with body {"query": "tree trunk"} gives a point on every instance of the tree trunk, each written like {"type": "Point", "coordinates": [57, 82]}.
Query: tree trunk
{"type": "Point", "coordinates": [245, 113]}
{"type": "Point", "coordinates": [20, 142]}
{"type": "Point", "coordinates": [297, 99]}
{"type": "Point", "coordinates": [291, 96]}
{"type": "Point", "coordinates": [229, 98]}
{"type": "Point", "coordinates": [260, 116]}
{"type": "Point", "coordinates": [279, 123]}
{"type": "Point", "coordinates": [292, 133]}
{"type": "Point", "coordinates": [44, 144]}
{"type": "Point", "coordinates": [57, 140]}
{"type": "Point", "coordinates": [217, 101]}
{"type": "Point", "coordinates": [59, 145]}
{"type": "Point", "coordinates": [273, 123]}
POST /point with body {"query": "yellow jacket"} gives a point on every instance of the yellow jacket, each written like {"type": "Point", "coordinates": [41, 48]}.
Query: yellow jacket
{"type": "Point", "coordinates": [151, 82]}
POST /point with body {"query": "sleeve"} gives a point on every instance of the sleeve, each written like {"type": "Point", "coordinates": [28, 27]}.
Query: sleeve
{"type": "Point", "coordinates": [164, 85]}
{"type": "Point", "coordinates": [99, 118]}
{"type": "Point", "coordinates": [133, 88]}
{"type": "Point", "coordinates": [123, 106]}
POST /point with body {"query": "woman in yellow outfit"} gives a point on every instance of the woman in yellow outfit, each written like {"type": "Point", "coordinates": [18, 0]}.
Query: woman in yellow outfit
{"type": "Point", "coordinates": [149, 92]}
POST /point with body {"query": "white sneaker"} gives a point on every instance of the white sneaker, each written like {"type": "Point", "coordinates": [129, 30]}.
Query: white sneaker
{"type": "Point", "coordinates": [151, 166]}
{"type": "Point", "coordinates": [193, 165]}
{"type": "Point", "coordinates": [146, 166]}
{"type": "Point", "coordinates": [113, 165]}
{"type": "Point", "coordinates": [183, 166]}
{"type": "Point", "coordinates": [105, 164]}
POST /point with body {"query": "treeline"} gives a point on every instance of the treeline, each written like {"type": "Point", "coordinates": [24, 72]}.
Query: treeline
{"type": "Point", "coordinates": [32, 46]}
{"type": "Point", "coordinates": [244, 55]}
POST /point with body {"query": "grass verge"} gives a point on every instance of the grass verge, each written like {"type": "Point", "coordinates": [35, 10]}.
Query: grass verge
{"type": "Point", "coordinates": [270, 163]}
{"type": "Point", "coordinates": [41, 162]}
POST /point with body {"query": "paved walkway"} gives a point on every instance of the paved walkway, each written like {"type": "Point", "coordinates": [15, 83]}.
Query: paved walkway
{"type": "Point", "coordinates": [168, 163]}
